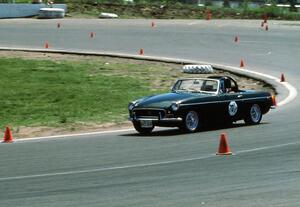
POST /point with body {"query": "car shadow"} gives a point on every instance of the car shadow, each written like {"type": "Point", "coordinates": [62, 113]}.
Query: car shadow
{"type": "Point", "coordinates": [177, 132]}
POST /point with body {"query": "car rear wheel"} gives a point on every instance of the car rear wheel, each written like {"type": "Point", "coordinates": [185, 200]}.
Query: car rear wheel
{"type": "Point", "coordinates": [254, 115]}
{"type": "Point", "coordinates": [141, 130]}
{"type": "Point", "coordinates": [191, 122]}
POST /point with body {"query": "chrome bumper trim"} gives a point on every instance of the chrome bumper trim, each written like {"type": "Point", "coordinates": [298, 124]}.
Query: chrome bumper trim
{"type": "Point", "coordinates": [155, 119]}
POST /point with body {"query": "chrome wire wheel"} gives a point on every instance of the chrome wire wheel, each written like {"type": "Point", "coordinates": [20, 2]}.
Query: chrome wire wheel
{"type": "Point", "coordinates": [191, 121]}
{"type": "Point", "coordinates": [255, 113]}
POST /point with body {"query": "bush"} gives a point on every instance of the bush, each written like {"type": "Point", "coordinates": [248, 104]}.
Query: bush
{"type": "Point", "coordinates": [292, 16]}
{"type": "Point", "coordinates": [226, 4]}
{"type": "Point", "coordinates": [272, 11]}
{"type": "Point", "coordinates": [208, 3]}
{"type": "Point", "coordinates": [178, 5]}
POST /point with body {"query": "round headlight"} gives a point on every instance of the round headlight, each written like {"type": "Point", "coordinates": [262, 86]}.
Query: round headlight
{"type": "Point", "coordinates": [131, 106]}
{"type": "Point", "coordinates": [174, 106]}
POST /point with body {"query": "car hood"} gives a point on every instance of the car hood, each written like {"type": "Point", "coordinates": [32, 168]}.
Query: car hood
{"type": "Point", "coordinates": [165, 100]}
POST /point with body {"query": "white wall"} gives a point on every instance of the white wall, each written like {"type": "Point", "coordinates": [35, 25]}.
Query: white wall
{"type": "Point", "coordinates": [24, 10]}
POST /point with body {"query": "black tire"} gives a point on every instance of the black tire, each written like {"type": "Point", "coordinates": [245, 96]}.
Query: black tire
{"type": "Point", "coordinates": [138, 128]}
{"type": "Point", "coordinates": [191, 122]}
{"type": "Point", "coordinates": [254, 115]}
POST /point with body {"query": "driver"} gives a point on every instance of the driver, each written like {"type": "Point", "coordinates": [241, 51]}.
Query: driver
{"type": "Point", "coordinates": [227, 88]}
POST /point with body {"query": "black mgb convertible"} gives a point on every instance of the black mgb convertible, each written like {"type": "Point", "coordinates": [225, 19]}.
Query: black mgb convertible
{"type": "Point", "coordinates": [196, 102]}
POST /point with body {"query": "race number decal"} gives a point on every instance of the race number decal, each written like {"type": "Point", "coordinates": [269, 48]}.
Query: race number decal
{"type": "Point", "coordinates": [232, 108]}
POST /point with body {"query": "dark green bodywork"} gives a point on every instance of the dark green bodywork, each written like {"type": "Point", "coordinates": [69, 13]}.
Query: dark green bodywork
{"type": "Point", "coordinates": [212, 107]}
{"type": "Point", "coordinates": [165, 100]}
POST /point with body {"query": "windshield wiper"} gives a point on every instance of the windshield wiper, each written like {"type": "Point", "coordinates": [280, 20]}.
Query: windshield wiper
{"type": "Point", "coordinates": [206, 92]}
{"type": "Point", "coordinates": [180, 90]}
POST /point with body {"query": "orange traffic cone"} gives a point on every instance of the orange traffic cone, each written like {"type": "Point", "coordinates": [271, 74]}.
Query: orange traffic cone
{"type": "Point", "coordinates": [265, 19]}
{"type": "Point", "coordinates": [8, 138]}
{"type": "Point", "coordinates": [236, 39]}
{"type": "Point", "coordinates": [274, 102]}
{"type": "Point", "coordinates": [267, 28]}
{"type": "Point", "coordinates": [208, 14]}
{"type": "Point", "coordinates": [152, 24]}
{"type": "Point", "coordinates": [282, 78]}
{"type": "Point", "coordinates": [208, 17]}
{"type": "Point", "coordinates": [46, 45]}
{"type": "Point", "coordinates": [242, 63]}
{"type": "Point", "coordinates": [224, 148]}
{"type": "Point", "coordinates": [141, 51]}
{"type": "Point", "coordinates": [92, 34]}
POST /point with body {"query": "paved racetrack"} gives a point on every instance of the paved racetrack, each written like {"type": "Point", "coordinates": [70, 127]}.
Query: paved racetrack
{"type": "Point", "coordinates": [167, 168]}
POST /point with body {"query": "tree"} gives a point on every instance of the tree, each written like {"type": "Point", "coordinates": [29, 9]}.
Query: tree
{"type": "Point", "coordinates": [292, 5]}
{"type": "Point", "coordinates": [226, 3]}
{"type": "Point", "coordinates": [208, 3]}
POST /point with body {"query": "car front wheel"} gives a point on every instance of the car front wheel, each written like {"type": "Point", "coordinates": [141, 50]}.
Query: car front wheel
{"type": "Point", "coordinates": [191, 122]}
{"type": "Point", "coordinates": [254, 115]}
{"type": "Point", "coordinates": [141, 130]}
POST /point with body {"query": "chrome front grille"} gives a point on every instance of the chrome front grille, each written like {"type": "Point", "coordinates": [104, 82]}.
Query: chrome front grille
{"type": "Point", "coordinates": [158, 113]}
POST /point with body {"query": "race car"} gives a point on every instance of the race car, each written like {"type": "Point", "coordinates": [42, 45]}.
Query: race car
{"type": "Point", "coordinates": [197, 102]}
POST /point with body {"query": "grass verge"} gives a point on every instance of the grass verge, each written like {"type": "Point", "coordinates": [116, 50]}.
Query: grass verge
{"type": "Point", "coordinates": [49, 93]}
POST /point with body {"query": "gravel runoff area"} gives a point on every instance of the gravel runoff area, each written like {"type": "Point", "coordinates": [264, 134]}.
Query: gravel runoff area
{"type": "Point", "coordinates": [174, 72]}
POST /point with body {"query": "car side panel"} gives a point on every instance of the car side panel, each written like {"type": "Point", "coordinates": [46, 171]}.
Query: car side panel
{"type": "Point", "coordinates": [212, 109]}
{"type": "Point", "coordinates": [235, 106]}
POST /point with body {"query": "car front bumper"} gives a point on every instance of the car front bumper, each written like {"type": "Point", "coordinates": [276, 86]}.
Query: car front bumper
{"type": "Point", "coordinates": [155, 119]}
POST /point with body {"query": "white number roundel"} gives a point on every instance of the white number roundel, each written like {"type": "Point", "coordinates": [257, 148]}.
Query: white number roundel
{"type": "Point", "coordinates": [232, 108]}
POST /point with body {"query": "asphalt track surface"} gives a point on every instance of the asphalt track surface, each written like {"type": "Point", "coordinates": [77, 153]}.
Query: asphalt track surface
{"type": "Point", "coordinates": [166, 168]}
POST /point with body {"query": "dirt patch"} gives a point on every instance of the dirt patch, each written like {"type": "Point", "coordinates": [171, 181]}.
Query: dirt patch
{"type": "Point", "coordinates": [175, 11]}
{"type": "Point", "coordinates": [23, 131]}
{"type": "Point", "coordinates": [162, 79]}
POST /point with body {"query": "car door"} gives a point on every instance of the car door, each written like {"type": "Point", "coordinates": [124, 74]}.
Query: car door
{"type": "Point", "coordinates": [233, 105]}
{"type": "Point", "coordinates": [233, 99]}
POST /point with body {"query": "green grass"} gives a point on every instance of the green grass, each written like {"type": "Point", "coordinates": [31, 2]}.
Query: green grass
{"type": "Point", "coordinates": [57, 93]}
{"type": "Point", "coordinates": [21, 1]}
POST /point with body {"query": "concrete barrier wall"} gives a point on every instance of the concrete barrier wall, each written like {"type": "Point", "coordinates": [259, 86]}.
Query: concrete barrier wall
{"type": "Point", "coordinates": [24, 10]}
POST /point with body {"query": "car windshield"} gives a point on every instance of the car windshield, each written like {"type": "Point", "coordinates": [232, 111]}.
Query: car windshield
{"type": "Point", "coordinates": [197, 85]}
